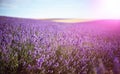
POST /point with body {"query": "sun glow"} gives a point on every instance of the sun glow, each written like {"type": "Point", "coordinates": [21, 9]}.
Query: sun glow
{"type": "Point", "coordinates": [110, 8]}
{"type": "Point", "coordinates": [71, 20]}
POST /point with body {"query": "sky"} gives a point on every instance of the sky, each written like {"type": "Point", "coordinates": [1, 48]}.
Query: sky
{"type": "Point", "coordinates": [83, 9]}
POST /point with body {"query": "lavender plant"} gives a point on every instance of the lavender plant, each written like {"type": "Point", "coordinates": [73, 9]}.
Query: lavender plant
{"type": "Point", "coordinates": [40, 47]}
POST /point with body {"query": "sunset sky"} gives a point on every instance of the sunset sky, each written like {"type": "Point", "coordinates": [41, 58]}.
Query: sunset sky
{"type": "Point", "coordinates": [83, 9]}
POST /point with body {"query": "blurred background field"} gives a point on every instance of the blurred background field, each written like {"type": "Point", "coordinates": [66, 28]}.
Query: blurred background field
{"type": "Point", "coordinates": [30, 46]}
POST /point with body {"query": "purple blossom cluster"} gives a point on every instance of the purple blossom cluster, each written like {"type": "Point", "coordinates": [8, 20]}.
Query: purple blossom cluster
{"type": "Point", "coordinates": [44, 47]}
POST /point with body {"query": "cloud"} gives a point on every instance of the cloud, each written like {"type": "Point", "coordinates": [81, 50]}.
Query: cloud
{"type": "Point", "coordinates": [12, 3]}
{"type": "Point", "coordinates": [9, 4]}
{"type": "Point", "coordinates": [6, 1]}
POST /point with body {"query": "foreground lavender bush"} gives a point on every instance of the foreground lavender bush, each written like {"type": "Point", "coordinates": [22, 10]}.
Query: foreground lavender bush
{"type": "Point", "coordinates": [29, 47]}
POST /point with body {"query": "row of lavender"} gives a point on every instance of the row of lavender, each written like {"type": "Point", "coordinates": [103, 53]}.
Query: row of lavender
{"type": "Point", "coordinates": [57, 48]}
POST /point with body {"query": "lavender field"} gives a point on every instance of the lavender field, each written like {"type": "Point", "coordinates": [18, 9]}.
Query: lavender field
{"type": "Point", "coordinates": [30, 46]}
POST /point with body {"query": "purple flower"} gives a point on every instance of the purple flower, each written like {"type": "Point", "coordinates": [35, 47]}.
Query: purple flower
{"type": "Point", "coordinates": [39, 62]}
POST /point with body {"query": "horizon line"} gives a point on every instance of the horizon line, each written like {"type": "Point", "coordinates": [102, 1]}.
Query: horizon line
{"type": "Point", "coordinates": [59, 18]}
